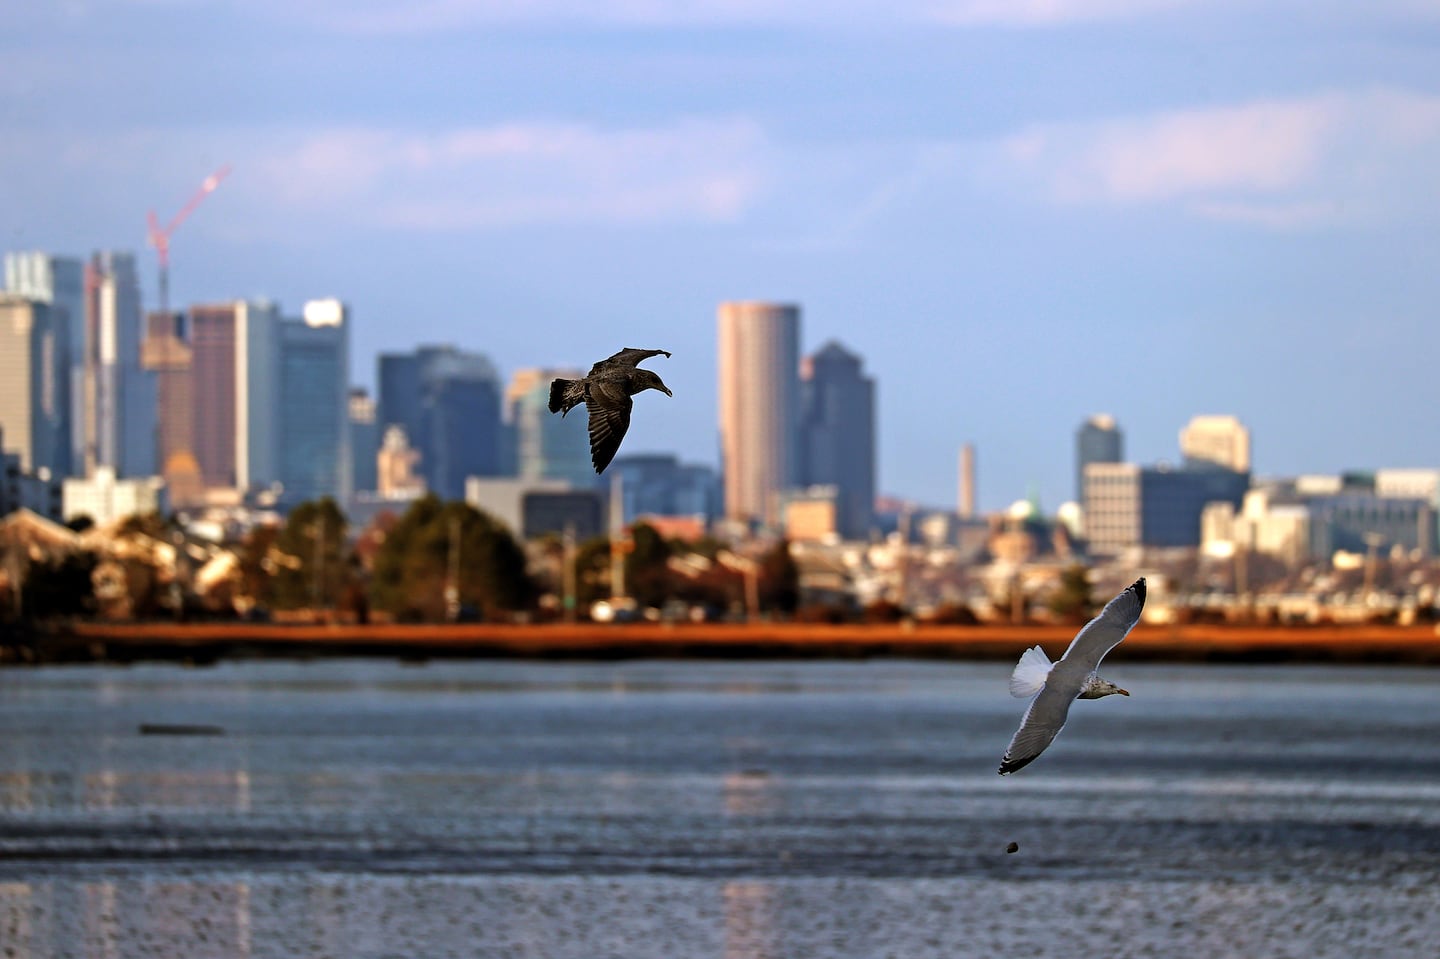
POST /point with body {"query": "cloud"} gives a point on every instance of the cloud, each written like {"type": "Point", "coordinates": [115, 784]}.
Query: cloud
{"type": "Point", "coordinates": [1278, 162]}
{"type": "Point", "coordinates": [1296, 215]}
{"type": "Point", "coordinates": [425, 16]}
{"type": "Point", "coordinates": [525, 173]}
{"type": "Point", "coordinates": [287, 182]}
{"type": "Point", "coordinates": [1046, 13]}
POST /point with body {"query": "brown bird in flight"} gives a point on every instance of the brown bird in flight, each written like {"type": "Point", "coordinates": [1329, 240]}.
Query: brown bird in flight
{"type": "Point", "coordinates": [606, 392]}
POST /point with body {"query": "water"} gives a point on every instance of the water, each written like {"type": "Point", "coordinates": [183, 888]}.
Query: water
{"type": "Point", "coordinates": [706, 809]}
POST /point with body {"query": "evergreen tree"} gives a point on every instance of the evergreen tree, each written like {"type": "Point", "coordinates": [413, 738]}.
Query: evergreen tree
{"type": "Point", "coordinates": [592, 573]}
{"type": "Point", "coordinates": [1072, 602]}
{"type": "Point", "coordinates": [435, 541]}
{"type": "Point", "coordinates": [257, 557]}
{"type": "Point", "coordinates": [779, 580]}
{"type": "Point", "coordinates": [310, 565]}
{"type": "Point", "coordinates": [647, 572]}
{"type": "Point", "coordinates": [60, 587]}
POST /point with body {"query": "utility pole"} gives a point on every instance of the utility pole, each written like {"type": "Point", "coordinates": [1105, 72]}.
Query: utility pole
{"type": "Point", "coordinates": [568, 572]}
{"type": "Point", "coordinates": [452, 579]}
{"type": "Point", "coordinates": [17, 563]}
{"type": "Point", "coordinates": [749, 569]}
{"type": "Point", "coordinates": [317, 587]}
{"type": "Point", "coordinates": [617, 544]}
{"type": "Point", "coordinates": [177, 593]}
{"type": "Point", "coordinates": [752, 590]}
{"type": "Point", "coordinates": [1372, 543]}
{"type": "Point", "coordinates": [903, 564]}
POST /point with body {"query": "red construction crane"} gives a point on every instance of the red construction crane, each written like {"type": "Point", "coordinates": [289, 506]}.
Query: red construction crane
{"type": "Point", "coordinates": [160, 238]}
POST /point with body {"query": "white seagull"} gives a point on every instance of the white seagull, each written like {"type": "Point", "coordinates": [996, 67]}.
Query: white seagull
{"type": "Point", "coordinates": [1073, 677]}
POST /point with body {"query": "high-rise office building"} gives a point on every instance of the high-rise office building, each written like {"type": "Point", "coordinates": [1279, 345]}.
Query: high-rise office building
{"type": "Point", "coordinates": [837, 435]}
{"type": "Point", "coordinates": [1098, 440]}
{"type": "Point", "coordinates": [234, 388]}
{"type": "Point", "coordinates": [32, 383]}
{"type": "Point", "coordinates": [165, 354]}
{"type": "Point", "coordinates": [1221, 441]}
{"type": "Point", "coordinates": [464, 433]}
{"type": "Point", "coordinates": [658, 484]}
{"type": "Point", "coordinates": [398, 399]}
{"type": "Point", "coordinates": [313, 455]}
{"type": "Point", "coordinates": [119, 403]}
{"type": "Point", "coordinates": [448, 403]}
{"type": "Point", "coordinates": [59, 282]}
{"type": "Point", "coordinates": [759, 348]}
{"type": "Point", "coordinates": [1129, 505]}
{"type": "Point", "coordinates": [546, 446]}
{"type": "Point", "coordinates": [364, 441]}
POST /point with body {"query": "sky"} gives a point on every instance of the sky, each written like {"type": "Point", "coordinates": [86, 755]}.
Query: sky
{"type": "Point", "coordinates": [1020, 213]}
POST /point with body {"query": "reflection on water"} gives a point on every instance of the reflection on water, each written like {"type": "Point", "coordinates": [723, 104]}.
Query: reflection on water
{"type": "Point", "coordinates": [749, 920]}
{"type": "Point", "coordinates": [362, 809]}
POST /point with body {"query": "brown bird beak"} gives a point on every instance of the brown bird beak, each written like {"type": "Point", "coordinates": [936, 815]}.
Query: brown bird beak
{"type": "Point", "coordinates": [1122, 692]}
{"type": "Point", "coordinates": [667, 391]}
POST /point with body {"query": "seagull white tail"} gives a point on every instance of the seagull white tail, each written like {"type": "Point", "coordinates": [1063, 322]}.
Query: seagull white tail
{"type": "Point", "coordinates": [1030, 673]}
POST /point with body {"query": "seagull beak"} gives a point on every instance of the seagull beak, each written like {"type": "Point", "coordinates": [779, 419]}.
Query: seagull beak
{"type": "Point", "coordinates": [1122, 692]}
{"type": "Point", "coordinates": [667, 390]}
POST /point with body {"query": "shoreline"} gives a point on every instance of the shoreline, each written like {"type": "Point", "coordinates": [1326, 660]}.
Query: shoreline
{"type": "Point", "coordinates": [211, 642]}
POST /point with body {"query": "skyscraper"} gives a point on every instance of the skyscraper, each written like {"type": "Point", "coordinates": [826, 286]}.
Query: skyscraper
{"type": "Point", "coordinates": [364, 441]}
{"type": "Point", "coordinates": [234, 391]}
{"type": "Point", "coordinates": [448, 403]}
{"type": "Point", "coordinates": [837, 435]}
{"type": "Point", "coordinates": [759, 406]}
{"type": "Point", "coordinates": [32, 382]}
{"type": "Point", "coordinates": [1098, 440]}
{"type": "Point", "coordinates": [1209, 441]}
{"type": "Point", "coordinates": [59, 282]}
{"type": "Point", "coordinates": [1128, 505]}
{"type": "Point", "coordinates": [398, 396]}
{"type": "Point", "coordinates": [546, 446]}
{"type": "Point", "coordinates": [119, 396]}
{"type": "Point", "coordinates": [658, 484]}
{"type": "Point", "coordinates": [165, 354]}
{"type": "Point", "coordinates": [313, 455]}
{"type": "Point", "coordinates": [463, 427]}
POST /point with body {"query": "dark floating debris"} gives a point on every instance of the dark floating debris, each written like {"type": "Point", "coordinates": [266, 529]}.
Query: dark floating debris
{"type": "Point", "coordinates": [1013, 847]}
{"type": "Point", "coordinates": [179, 729]}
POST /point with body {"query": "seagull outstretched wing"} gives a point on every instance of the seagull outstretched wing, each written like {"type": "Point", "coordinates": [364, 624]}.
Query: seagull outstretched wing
{"type": "Point", "coordinates": [1104, 632]}
{"type": "Point", "coordinates": [609, 408]}
{"type": "Point", "coordinates": [1043, 721]}
{"type": "Point", "coordinates": [626, 357]}
{"type": "Point", "coordinates": [1055, 686]}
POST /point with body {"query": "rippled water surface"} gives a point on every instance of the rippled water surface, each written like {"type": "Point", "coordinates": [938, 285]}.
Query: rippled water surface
{"type": "Point", "coordinates": [709, 809]}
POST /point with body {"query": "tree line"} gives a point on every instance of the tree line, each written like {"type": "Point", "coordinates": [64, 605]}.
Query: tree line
{"type": "Point", "coordinates": [438, 561]}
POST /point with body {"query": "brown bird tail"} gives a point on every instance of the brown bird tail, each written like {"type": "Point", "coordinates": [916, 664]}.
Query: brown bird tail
{"type": "Point", "coordinates": [565, 395]}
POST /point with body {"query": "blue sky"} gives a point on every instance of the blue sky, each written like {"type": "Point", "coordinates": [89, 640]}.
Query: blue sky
{"type": "Point", "coordinates": [1020, 212]}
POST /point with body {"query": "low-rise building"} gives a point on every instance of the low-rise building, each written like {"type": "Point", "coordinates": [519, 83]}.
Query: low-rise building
{"type": "Point", "coordinates": [105, 498]}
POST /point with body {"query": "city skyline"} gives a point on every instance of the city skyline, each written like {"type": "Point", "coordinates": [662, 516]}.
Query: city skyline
{"type": "Point", "coordinates": [1019, 214]}
{"type": "Point", "coordinates": [1210, 436]}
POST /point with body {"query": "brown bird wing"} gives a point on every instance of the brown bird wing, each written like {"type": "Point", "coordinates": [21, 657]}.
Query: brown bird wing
{"type": "Point", "coordinates": [626, 357]}
{"type": "Point", "coordinates": [609, 407]}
